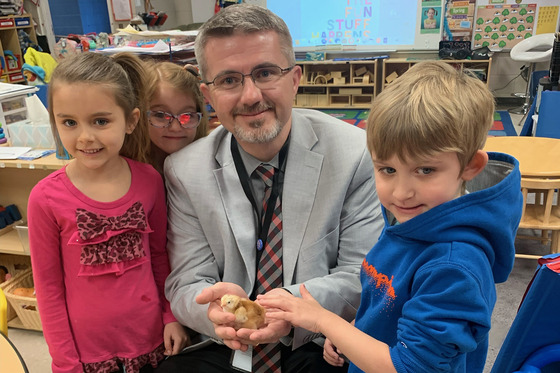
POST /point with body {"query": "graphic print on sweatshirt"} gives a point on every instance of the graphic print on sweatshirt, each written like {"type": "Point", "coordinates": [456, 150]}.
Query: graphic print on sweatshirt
{"type": "Point", "coordinates": [381, 287]}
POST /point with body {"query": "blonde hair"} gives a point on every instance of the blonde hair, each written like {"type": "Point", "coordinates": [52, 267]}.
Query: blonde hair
{"type": "Point", "coordinates": [122, 72]}
{"type": "Point", "coordinates": [182, 80]}
{"type": "Point", "coordinates": [431, 108]}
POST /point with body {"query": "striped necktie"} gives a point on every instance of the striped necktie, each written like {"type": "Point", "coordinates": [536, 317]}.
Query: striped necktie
{"type": "Point", "coordinates": [266, 358]}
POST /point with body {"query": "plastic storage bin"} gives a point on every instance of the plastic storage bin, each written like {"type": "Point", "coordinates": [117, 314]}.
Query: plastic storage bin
{"type": "Point", "coordinates": [22, 230]}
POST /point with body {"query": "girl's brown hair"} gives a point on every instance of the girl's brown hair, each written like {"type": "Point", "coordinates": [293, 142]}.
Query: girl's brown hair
{"type": "Point", "coordinates": [125, 74]}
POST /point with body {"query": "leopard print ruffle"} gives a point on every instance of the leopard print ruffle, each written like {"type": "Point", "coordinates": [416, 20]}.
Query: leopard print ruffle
{"type": "Point", "coordinates": [110, 244]}
{"type": "Point", "coordinates": [131, 365]}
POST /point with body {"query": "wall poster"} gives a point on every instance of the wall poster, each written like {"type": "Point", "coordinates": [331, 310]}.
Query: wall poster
{"type": "Point", "coordinates": [458, 21]}
{"type": "Point", "coordinates": [503, 26]}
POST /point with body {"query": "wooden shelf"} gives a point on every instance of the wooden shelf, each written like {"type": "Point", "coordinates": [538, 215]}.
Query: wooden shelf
{"type": "Point", "coordinates": [50, 162]}
{"type": "Point", "coordinates": [17, 178]}
{"type": "Point", "coordinates": [337, 84]}
{"type": "Point", "coordinates": [11, 244]}
{"type": "Point", "coordinates": [395, 67]}
{"type": "Point", "coordinates": [9, 40]}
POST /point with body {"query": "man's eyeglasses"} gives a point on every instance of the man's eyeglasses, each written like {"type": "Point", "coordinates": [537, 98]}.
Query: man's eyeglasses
{"type": "Point", "coordinates": [162, 119]}
{"type": "Point", "coordinates": [263, 77]}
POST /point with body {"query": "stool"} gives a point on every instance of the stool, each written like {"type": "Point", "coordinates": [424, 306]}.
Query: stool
{"type": "Point", "coordinates": [537, 48]}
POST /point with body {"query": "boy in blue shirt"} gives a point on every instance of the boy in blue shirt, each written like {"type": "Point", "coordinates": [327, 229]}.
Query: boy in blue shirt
{"type": "Point", "coordinates": [451, 214]}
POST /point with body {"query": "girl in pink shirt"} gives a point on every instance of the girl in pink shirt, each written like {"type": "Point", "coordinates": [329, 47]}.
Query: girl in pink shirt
{"type": "Point", "coordinates": [97, 227]}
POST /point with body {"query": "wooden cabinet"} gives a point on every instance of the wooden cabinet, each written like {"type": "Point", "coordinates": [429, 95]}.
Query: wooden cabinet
{"type": "Point", "coordinates": [337, 84]}
{"type": "Point", "coordinates": [9, 42]}
{"type": "Point", "coordinates": [395, 67]}
{"type": "Point", "coordinates": [17, 178]}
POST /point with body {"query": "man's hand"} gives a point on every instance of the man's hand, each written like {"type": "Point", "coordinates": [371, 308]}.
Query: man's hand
{"type": "Point", "coordinates": [271, 333]}
{"type": "Point", "coordinates": [223, 321]}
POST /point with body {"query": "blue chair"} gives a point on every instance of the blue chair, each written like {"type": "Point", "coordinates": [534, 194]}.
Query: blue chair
{"type": "Point", "coordinates": [527, 129]}
{"type": "Point", "coordinates": [545, 358]}
{"type": "Point", "coordinates": [548, 124]}
{"type": "Point", "coordinates": [532, 343]}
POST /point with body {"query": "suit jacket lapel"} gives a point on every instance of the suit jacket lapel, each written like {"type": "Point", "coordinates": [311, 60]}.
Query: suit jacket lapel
{"type": "Point", "coordinates": [237, 207]}
{"type": "Point", "coordinates": [303, 169]}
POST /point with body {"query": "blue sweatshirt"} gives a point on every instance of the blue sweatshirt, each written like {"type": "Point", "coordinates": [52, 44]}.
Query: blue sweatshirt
{"type": "Point", "coordinates": [428, 284]}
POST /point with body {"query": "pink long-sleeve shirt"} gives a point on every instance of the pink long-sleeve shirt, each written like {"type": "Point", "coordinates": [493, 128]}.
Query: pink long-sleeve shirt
{"type": "Point", "coordinates": [99, 269]}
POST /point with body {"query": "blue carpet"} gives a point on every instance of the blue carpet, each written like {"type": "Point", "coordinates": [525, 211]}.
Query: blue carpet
{"type": "Point", "coordinates": [503, 125]}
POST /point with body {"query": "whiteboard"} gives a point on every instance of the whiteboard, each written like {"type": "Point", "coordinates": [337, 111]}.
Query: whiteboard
{"type": "Point", "coordinates": [360, 25]}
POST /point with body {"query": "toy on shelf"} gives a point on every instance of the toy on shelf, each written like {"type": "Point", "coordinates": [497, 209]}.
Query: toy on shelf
{"type": "Point", "coordinates": [34, 75]}
{"type": "Point", "coordinates": [12, 61]}
{"type": "Point", "coordinates": [65, 47]}
{"type": "Point", "coordinates": [3, 138]}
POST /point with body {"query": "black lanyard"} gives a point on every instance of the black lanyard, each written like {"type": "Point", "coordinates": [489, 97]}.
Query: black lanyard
{"type": "Point", "coordinates": [277, 187]}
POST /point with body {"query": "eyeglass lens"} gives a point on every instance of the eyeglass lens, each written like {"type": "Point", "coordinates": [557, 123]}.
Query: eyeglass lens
{"type": "Point", "coordinates": [163, 119]}
{"type": "Point", "coordinates": [262, 76]}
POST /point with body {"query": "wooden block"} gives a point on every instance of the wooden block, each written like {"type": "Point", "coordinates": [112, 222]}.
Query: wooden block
{"type": "Point", "coordinates": [360, 71]}
{"type": "Point", "coordinates": [322, 100]}
{"type": "Point", "coordinates": [391, 77]}
{"type": "Point", "coordinates": [312, 100]}
{"type": "Point", "coordinates": [358, 80]}
{"type": "Point", "coordinates": [341, 80]}
{"type": "Point", "coordinates": [301, 100]}
{"type": "Point", "coordinates": [320, 79]}
{"type": "Point", "coordinates": [350, 91]}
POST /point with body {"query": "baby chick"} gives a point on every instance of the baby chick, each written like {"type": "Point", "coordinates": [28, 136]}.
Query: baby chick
{"type": "Point", "coordinates": [248, 314]}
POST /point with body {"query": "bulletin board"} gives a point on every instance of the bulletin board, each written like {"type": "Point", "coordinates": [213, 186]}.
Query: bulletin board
{"type": "Point", "coordinates": [501, 25]}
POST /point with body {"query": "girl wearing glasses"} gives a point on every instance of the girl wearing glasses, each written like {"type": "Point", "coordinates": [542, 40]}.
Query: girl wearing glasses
{"type": "Point", "coordinates": [176, 113]}
{"type": "Point", "coordinates": [97, 227]}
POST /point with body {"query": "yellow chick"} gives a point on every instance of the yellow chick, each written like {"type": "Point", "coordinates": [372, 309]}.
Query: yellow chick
{"type": "Point", "coordinates": [248, 314]}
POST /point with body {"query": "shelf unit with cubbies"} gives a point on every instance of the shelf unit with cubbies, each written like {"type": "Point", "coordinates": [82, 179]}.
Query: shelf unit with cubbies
{"type": "Point", "coordinates": [337, 84]}
{"type": "Point", "coordinates": [395, 67]}
{"type": "Point", "coordinates": [17, 178]}
{"type": "Point", "coordinates": [9, 41]}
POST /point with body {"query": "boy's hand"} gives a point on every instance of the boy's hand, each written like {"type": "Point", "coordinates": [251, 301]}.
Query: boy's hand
{"type": "Point", "coordinates": [304, 312]}
{"type": "Point", "coordinates": [175, 338]}
{"type": "Point", "coordinates": [330, 354]}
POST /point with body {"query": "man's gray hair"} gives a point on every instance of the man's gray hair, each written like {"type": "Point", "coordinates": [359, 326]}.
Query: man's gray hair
{"type": "Point", "coordinates": [242, 19]}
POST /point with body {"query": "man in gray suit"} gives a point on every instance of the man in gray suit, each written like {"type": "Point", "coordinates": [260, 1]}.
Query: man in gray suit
{"type": "Point", "coordinates": [331, 216]}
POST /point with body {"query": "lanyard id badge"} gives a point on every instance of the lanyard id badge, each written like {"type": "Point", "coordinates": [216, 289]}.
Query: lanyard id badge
{"type": "Point", "coordinates": [242, 361]}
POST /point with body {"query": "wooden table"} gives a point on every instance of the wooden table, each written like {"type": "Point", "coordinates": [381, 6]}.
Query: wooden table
{"type": "Point", "coordinates": [10, 359]}
{"type": "Point", "coordinates": [537, 156]}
